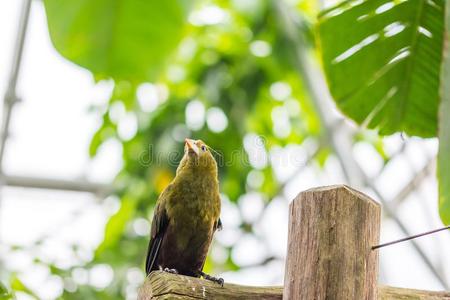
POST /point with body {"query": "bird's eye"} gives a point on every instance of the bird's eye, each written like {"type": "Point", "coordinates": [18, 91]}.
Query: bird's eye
{"type": "Point", "coordinates": [203, 148]}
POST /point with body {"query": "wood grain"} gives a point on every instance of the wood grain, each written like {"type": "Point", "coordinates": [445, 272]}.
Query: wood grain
{"type": "Point", "coordinates": [331, 231]}
{"type": "Point", "coordinates": [162, 286]}
{"type": "Point", "coordinates": [392, 293]}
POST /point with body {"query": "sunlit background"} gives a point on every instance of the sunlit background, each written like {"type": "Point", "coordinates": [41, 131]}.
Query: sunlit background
{"type": "Point", "coordinates": [74, 209]}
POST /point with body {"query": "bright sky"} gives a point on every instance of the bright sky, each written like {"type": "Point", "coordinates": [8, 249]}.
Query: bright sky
{"type": "Point", "coordinates": [50, 133]}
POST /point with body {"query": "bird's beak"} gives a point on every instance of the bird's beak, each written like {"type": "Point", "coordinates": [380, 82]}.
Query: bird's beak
{"type": "Point", "coordinates": [191, 145]}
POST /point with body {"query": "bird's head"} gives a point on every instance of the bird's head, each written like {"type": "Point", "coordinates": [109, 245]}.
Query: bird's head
{"type": "Point", "coordinates": [198, 158]}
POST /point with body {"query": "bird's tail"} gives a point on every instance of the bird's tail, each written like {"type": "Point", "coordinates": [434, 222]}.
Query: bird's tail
{"type": "Point", "coordinates": [152, 254]}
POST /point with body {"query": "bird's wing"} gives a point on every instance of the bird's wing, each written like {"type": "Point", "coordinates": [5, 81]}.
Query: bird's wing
{"type": "Point", "coordinates": [218, 225]}
{"type": "Point", "coordinates": [159, 225]}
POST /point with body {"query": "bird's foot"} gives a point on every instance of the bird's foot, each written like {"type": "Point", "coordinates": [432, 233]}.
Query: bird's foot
{"type": "Point", "coordinates": [171, 271]}
{"type": "Point", "coordinates": [212, 278]}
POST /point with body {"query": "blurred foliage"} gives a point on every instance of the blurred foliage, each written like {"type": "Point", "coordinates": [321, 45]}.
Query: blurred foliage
{"type": "Point", "coordinates": [393, 57]}
{"type": "Point", "coordinates": [4, 294]}
{"type": "Point", "coordinates": [444, 131]}
{"type": "Point", "coordinates": [220, 71]}
{"type": "Point", "coordinates": [116, 39]}
{"type": "Point", "coordinates": [219, 85]}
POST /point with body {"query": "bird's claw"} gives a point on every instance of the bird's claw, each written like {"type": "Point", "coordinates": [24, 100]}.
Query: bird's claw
{"type": "Point", "coordinates": [217, 280]}
{"type": "Point", "coordinates": [171, 271]}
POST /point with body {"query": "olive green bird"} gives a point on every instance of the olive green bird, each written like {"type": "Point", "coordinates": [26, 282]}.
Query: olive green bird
{"type": "Point", "coordinates": [186, 215]}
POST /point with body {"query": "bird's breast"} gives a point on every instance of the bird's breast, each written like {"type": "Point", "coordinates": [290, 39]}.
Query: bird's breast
{"type": "Point", "coordinates": [196, 211]}
{"type": "Point", "coordinates": [193, 212]}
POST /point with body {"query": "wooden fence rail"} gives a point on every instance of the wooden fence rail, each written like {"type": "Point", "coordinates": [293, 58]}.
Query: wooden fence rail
{"type": "Point", "coordinates": [331, 232]}
{"type": "Point", "coordinates": [162, 285]}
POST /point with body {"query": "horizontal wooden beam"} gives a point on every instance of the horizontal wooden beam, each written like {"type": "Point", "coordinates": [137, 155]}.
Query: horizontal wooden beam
{"type": "Point", "coordinates": [162, 285]}
{"type": "Point", "coordinates": [391, 293]}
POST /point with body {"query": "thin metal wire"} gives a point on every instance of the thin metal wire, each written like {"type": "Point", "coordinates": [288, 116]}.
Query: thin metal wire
{"type": "Point", "coordinates": [410, 238]}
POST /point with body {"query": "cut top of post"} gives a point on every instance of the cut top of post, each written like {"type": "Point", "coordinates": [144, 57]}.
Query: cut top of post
{"type": "Point", "coordinates": [345, 189]}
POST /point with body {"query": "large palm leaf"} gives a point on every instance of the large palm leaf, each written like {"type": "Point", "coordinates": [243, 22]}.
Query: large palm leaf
{"type": "Point", "coordinates": [382, 59]}
{"type": "Point", "coordinates": [383, 62]}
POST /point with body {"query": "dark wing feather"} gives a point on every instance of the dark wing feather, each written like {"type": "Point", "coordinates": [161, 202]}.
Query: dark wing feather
{"type": "Point", "coordinates": [218, 225]}
{"type": "Point", "coordinates": [159, 225]}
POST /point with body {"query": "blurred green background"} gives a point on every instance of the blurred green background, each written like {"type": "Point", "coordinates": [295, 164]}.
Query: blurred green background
{"type": "Point", "coordinates": [245, 77]}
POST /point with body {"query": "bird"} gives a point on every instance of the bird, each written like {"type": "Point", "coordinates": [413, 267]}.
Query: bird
{"type": "Point", "coordinates": [186, 215]}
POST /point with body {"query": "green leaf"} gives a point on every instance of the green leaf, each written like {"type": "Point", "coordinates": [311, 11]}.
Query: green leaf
{"type": "Point", "coordinates": [116, 225]}
{"type": "Point", "coordinates": [382, 60]}
{"type": "Point", "coordinates": [4, 294]}
{"type": "Point", "coordinates": [444, 132]}
{"type": "Point", "coordinates": [18, 286]}
{"type": "Point", "coordinates": [122, 39]}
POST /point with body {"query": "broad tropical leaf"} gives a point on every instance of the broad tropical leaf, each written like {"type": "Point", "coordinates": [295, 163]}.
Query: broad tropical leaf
{"type": "Point", "coordinates": [120, 39]}
{"type": "Point", "coordinates": [383, 64]}
{"type": "Point", "coordinates": [444, 132]}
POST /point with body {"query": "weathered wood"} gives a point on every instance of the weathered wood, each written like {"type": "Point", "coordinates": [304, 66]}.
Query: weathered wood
{"type": "Point", "coordinates": [392, 293]}
{"type": "Point", "coordinates": [331, 231]}
{"type": "Point", "coordinates": [162, 285]}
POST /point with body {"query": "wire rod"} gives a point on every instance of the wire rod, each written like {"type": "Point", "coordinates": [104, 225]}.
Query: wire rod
{"type": "Point", "coordinates": [410, 238]}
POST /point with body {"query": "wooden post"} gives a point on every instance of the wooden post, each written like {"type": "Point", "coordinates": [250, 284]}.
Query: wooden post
{"type": "Point", "coordinates": [331, 231]}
